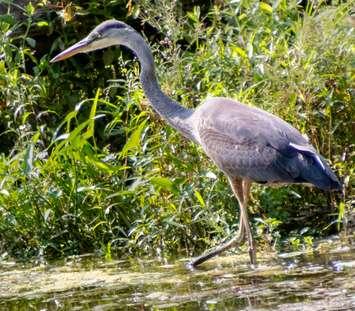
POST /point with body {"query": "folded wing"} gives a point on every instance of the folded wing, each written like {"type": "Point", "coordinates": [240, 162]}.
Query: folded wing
{"type": "Point", "coordinates": [250, 143]}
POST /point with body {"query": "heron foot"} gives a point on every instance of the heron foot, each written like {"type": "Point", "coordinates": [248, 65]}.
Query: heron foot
{"type": "Point", "coordinates": [234, 242]}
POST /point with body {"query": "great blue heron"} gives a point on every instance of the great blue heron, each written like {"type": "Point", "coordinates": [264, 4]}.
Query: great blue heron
{"type": "Point", "coordinates": [248, 144]}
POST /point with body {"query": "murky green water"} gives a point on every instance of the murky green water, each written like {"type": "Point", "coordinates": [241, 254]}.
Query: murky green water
{"type": "Point", "coordinates": [323, 279]}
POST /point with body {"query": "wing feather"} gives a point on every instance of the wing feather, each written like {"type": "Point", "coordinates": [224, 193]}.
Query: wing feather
{"type": "Point", "coordinates": [248, 142]}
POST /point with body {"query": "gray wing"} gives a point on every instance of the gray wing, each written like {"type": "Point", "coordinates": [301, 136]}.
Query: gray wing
{"type": "Point", "coordinates": [251, 143]}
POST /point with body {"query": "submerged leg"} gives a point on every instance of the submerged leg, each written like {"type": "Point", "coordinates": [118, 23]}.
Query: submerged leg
{"type": "Point", "coordinates": [237, 186]}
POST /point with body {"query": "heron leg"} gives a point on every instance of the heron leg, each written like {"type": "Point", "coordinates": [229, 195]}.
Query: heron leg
{"type": "Point", "coordinates": [241, 189]}
{"type": "Point", "coordinates": [235, 241]}
{"type": "Point", "coordinates": [244, 213]}
{"type": "Point", "coordinates": [237, 187]}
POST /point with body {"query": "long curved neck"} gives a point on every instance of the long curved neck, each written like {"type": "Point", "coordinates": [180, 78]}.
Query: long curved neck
{"type": "Point", "coordinates": [176, 115]}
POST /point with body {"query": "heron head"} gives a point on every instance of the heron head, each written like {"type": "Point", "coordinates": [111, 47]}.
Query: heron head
{"type": "Point", "coordinates": [111, 32]}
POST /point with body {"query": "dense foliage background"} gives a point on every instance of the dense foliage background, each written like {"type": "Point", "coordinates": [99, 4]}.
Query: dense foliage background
{"type": "Point", "coordinates": [86, 165]}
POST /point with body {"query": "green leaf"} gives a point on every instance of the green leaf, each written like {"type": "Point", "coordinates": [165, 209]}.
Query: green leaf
{"type": "Point", "coordinates": [2, 67]}
{"type": "Point", "coordinates": [31, 42]}
{"type": "Point", "coordinates": [162, 183]}
{"type": "Point", "coordinates": [195, 15]}
{"type": "Point", "coordinates": [100, 165]}
{"type": "Point", "coordinates": [42, 24]}
{"type": "Point", "coordinates": [7, 18]}
{"type": "Point", "coordinates": [237, 51]}
{"type": "Point", "coordinates": [133, 142]}
{"type": "Point", "coordinates": [30, 9]}
{"type": "Point", "coordinates": [28, 159]}
{"type": "Point", "coordinates": [265, 7]}
{"type": "Point", "coordinates": [91, 126]}
{"type": "Point", "coordinates": [192, 17]}
{"type": "Point", "coordinates": [341, 213]}
{"type": "Point", "coordinates": [199, 198]}
{"type": "Point", "coordinates": [102, 222]}
{"type": "Point", "coordinates": [108, 251]}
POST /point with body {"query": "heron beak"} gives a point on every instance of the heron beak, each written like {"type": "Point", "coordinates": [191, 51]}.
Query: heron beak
{"type": "Point", "coordinates": [79, 47]}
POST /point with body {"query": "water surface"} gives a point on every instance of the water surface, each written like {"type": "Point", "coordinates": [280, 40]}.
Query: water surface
{"type": "Point", "coordinates": [318, 279]}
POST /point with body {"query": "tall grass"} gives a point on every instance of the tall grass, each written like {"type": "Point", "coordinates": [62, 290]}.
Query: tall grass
{"type": "Point", "coordinates": [86, 165]}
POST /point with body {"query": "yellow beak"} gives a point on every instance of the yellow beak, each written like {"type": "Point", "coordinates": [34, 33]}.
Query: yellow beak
{"type": "Point", "coordinates": [69, 52]}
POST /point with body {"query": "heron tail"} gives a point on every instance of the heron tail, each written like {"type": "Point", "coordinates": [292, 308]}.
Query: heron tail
{"type": "Point", "coordinates": [323, 178]}
{"type": "Point", "coordinates": [316, 170]}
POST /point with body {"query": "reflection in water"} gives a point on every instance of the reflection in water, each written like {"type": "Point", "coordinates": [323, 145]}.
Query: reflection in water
{"type": "Point", "coordinates": [294, 281]}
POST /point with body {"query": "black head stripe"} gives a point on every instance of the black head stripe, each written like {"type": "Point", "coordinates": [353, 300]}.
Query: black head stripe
{"type": "Point", "coordinates": [110, 24]}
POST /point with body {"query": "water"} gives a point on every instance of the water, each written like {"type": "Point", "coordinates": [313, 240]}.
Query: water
{"type": "Point", "coordinates": [320, 279]}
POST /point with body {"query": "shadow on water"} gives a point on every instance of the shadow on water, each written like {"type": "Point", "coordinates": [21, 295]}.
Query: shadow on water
{"type": "Point", "coordinates": [322, 279]}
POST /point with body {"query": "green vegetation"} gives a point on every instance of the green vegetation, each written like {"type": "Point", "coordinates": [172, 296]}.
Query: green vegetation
{"type": "Point", "coordinates": [87, 166]}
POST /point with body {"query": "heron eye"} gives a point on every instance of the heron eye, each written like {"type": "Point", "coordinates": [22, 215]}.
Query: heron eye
{"type": "Point", "coordinates": [96, 36]}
